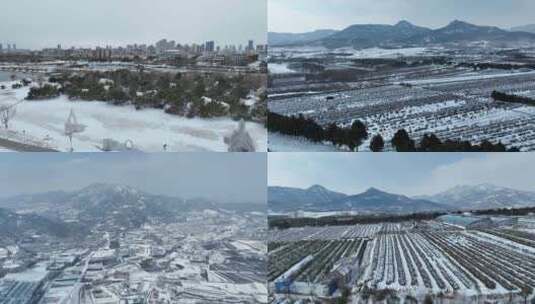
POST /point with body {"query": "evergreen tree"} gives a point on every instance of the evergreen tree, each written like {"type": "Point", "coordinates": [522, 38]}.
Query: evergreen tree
{"type": "Point", "coordinates": [377, 144]}
{"type": "Point", "coordinates": [402, 142]}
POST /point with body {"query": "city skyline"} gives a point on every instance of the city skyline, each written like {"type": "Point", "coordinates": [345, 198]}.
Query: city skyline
{"type": "Point", "coordinates": [88, 26]}
{"type": "Point", "coordinates": [245, 45]}
{"type": "Point", "coordinates": [309, 15]}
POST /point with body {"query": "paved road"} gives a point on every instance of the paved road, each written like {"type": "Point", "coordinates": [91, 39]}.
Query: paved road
{"type": "Point", "coordinates": [20, 147]}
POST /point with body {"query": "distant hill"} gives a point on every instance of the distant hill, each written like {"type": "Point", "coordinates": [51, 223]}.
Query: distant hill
{"type": "Point", "coordinates": [484, 196]}
{"type": "Point", "coordinates": [530, 28]}
{"type": "Point", "coordinates": [405, 34]}
{"type": "Point", "coordinates": [377, 201]}
{"type": "Point", "coordinates": [291, 199]}
{"type": "Point", "coordinates": [14, 226]}
{"type": "Point", "coordinates": [112, 205]}
{"type": "Point", "coordinates": [282, 39]}
{"type": "Point", "coordinates": [320, 199]}
{"type": "Point", "coordinates": [374, 35]}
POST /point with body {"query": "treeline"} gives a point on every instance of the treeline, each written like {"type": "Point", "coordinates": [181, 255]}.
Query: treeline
{"type": "Point", "coordinates": [401, 63]}
{"type": "Point", "coordinates": [183, 94]}
{"type": "Point", "coordinates": [285, 222]}
{"type": "Point", "coordinates": [500, 96]}
{"type": "Point", "coordinates": [280, 222]}
{"type": "Point", "coordinates": [506, 211]}
{"type": "Point", "coordinates": [498, 66]}
{"type": "Point", "coordinates": [351, 137]}
{"type": "Point", "coordinates": [401, 142]}
{"type": "Point", "coordinates": [46, 91]}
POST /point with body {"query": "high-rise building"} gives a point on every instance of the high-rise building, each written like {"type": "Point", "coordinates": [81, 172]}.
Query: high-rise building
{"type": "Point", "coordinates": [250, 46]}
{"type": "Point", "coordinates": [1, 47]}
{"type": "Point", "coordinates": [210, 46]}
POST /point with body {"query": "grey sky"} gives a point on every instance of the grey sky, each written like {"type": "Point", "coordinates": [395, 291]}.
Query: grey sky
{"type": "Point", "coordinates": [220, 176]}
{"type": "Point", "coordinates": [404, 173]}
{"type": "Point", "coordinates": [307, 15]}
{"type": "Point", "coordinates": [37, 24]}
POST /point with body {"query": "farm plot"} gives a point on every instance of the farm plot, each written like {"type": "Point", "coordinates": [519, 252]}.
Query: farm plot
{"type": "Point", "coordinates": [335, 232]}
{"type": "Point", "coordinates": [325, 255]}
{"type": "Point", "coordinates": [458, 109]}
{"type": "Point", "coordinates": [449, 262]}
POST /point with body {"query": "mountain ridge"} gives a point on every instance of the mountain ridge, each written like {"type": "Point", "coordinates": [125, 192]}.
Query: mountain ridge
{"type": "Point", "coordinates": [282, 39]}
{"type": "Point", "coordinates": [373, 200]}
{"type": "Point", "coordinates": [483, 196]}
{"type": "Point", "coordinates": [406, 34]}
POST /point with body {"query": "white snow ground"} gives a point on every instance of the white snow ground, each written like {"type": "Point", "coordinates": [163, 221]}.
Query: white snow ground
{"type": "Point", "coordinates": [284, 143]}
{"type": "Point", "coordinates": [148, 129]}
{"type": "Point", "coordinates": [279, 68]}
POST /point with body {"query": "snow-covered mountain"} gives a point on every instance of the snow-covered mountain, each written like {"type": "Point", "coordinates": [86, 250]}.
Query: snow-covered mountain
{"type": "Point", "coordinates": [377, 201]}
{"type": "Point", "coordinates": [109, 204]}
{"type": "Point", "coordinates": [13, 225]}
{"type": "Point", "coordinates": [405, 34]}
{"type": "Point", "coordinates": [320, 199]}
{"type": "Point", "coordinates": [280, 39]}
{"type": "Point", "coordinates": [483, 196]}
{"type": "Point", "coordinates": [530, 28]}
{"type": "Point", "coordinates": [291, 199]}
{"type": "Point", "coordinates": [373, 35]}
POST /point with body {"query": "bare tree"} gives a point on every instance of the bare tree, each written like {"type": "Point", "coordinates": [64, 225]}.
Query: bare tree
{"type": "Point", "coordinates": [72, 127]}
{"type": "Point", "coordinates": [7, 112]}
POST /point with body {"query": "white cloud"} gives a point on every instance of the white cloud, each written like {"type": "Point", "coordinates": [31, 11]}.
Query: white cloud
{"type": "Point", "coordinates": [514, 170]}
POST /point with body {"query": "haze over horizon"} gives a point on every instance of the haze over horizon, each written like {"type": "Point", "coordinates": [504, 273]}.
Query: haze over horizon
{"type": "Point", "coordinates": [222, 177]}
{"type": "Point", "coordinates": [301, 16]}
{"type": "Point", "coordinates": [409, 174]}
{"type": "Point", "coordinates": [41, 24]}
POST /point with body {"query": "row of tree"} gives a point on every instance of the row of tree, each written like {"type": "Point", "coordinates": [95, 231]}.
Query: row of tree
{"type": "Point", "coordinates": [45, 91]}
{"type": "Point", "coordinates": [351, 137]}
{"type": "Point", "coordinates": [402, 142]}
{"type": "Point", "coordinates": [494, 65]}
{"type": "Point", "coordinates": [184, 94]}
{"type": "Point", "coordinates": [280, 222]}
{"type": "Point", "coordinates": [500, 96]}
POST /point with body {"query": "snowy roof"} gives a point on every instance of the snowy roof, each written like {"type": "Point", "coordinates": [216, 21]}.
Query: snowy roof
{"type": "Point", "coordinates": [460, 220]}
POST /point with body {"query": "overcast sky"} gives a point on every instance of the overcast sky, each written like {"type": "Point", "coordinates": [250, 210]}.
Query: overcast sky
{"type": "Point", "coordinates": [401, 173]}
{"type": "Point", "coordinates": [307, 15]}
{"type": "Point", "coordinates": [38, 24]}
{"type": "Point", "coordinates": [224, 177]}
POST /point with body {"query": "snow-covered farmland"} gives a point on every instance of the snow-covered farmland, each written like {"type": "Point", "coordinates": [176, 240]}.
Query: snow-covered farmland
{"type": "Point", "coordinates": [404, 259]}
{"type": "Point", "coordinates": [457, 107]}
{"type": "Point", "coordinates": [285, 143]}
{"type": "Point", "coordinates": [279, 68]}
{"type": "Point", "coordinates": [348, 52]}
{"type": "Point", "coordinates": [42, 123]}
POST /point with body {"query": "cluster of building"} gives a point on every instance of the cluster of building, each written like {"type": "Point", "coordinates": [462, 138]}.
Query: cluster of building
{"type": "Point", "coordinates": [468, 221]}
{"type": "Point", "coordinates": [10, 48]}
{"type": "Point", "coordinates": [197, 259]}
{"type": "Point", "coordinates": [163, 51]}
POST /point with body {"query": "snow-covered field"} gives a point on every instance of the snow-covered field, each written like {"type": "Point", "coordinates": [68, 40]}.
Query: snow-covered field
{"type": "Point", "coordinates": [279, 68]}
{"type": "Point", "coordinates": [284, 143]}
{"type": "Point", "coordinates": [457, 107]}
{"type": "Point", "coordinates": [43, 122]}
{"type": "Point", "coordinates": [315, 52]}
{"type": "Point", "coordinates": [457, 265]}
